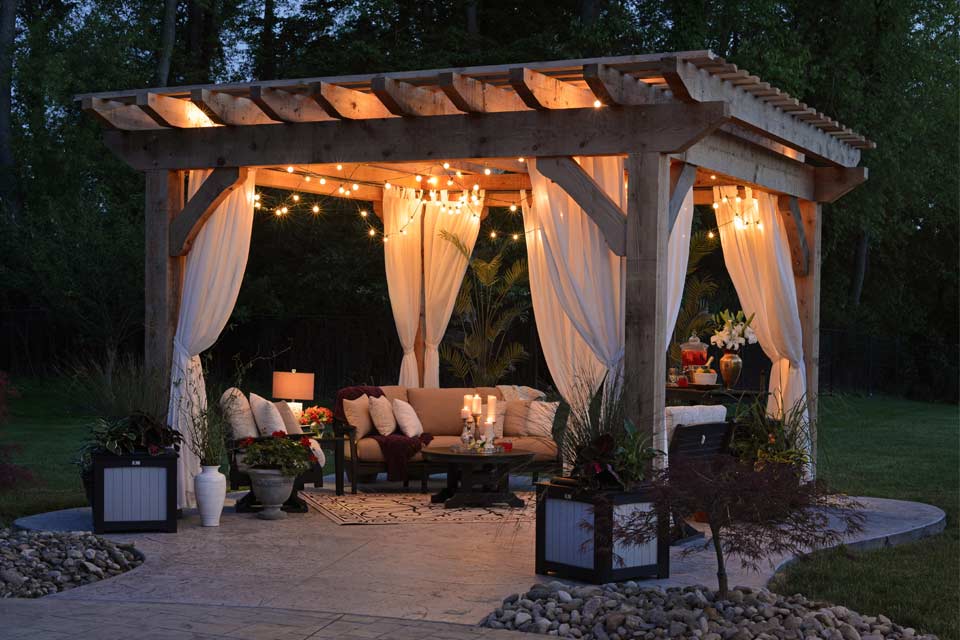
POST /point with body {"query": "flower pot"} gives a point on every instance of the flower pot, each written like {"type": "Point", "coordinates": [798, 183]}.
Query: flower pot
{"type": "Point", "coordinates": [730, 367]}
{"type": "Point", "coordinates": [211, 489]}
{"type": "Point", "coordinates": [272, 489]}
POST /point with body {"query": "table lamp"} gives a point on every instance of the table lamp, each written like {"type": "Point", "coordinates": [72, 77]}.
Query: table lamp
{"type": "Point", "coordinates": [292, 386]}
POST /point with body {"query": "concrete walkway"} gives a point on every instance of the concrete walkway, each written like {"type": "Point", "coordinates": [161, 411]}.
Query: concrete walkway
{"type": "Point", "coordinates": [450, 573]}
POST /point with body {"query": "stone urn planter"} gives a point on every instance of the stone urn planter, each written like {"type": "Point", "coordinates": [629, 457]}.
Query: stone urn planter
{"type": "Point", "coordinates": [272, 489]}
{"type": "Point", "coordinates": [211, 490]}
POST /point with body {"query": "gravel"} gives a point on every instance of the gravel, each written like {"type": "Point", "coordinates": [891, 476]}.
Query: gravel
{"type": "Point", "coordinates": [38, 563]}
{"type": "Point", "coordinates": [620, 611]}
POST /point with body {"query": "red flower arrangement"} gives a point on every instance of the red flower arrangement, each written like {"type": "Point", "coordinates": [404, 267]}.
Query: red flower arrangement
{"type": "Point", "coordinates": [316, 416]}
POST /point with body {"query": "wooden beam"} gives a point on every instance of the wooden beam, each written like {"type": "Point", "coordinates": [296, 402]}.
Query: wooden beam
{"type": "Point", "coordinates": [664, 128]}
{"type": "Point", "coordinates": [808, 303]}
{"type": "Point", "coordinates": [172, 112]}
{"type": "Point", "coordinates": [162, 277]}
{"type": "Point", "coordinates": [796, 234]}
{"type": "Point", "coordinates": [686, 175]}
{"type": "Point", "coordinates": [832, 183]}
{"type": "Point", "coordinates": [224, 108]}
{"type": "Point", "coordinates": [273, 179]}
{"type": "Point", "coordinates": [613, 87]}
{"type": "Point", "coordinates": [751, 165]}
{"type": "Point", "coordinates": [347, 104]}
{"type": "Point", "coordinates": [766, 119]}
{"type": "Point", "coordinates": [117, 115]}
{"type": "Point", "coordinates": [473, 96]}
{"type": "Point", "coordinates": [285, 106]}
{"type": "Point", "coordinates": [219, 184]}
{"type": "Point", "coordinates": [405, 99]}
{"type": "Point", "coordinates": [539, 91]}
{"type": "Point", "coordinates": [644, 359]}
{"type": "Point", "coordinates": [669, 69]}
{"type": "Point", "coordinates": [590, 197]}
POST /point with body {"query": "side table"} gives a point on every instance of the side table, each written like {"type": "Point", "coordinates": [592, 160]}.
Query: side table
{"type": "Point", "coordinates": [337, 442]}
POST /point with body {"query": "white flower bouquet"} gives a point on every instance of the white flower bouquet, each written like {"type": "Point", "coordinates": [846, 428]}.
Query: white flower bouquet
{"type": "Point", "coordinates": [733, 330]}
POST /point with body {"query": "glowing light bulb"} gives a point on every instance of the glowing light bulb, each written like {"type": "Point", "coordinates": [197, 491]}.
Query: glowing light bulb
{"type": "Point", "coordinates": [256, 196]}
{"type": "Point", "coordinates": [347, 194]}
{"type": "Point", "coordinates": [385, 238]}
{"type": "Point", "coordinates": [355, 186]}
{"type": "Point", "coordinates": [372, 233]}
{"type": "Point", "coordinates": [307, 178]}
{"type": "Point", "coordinates": [493, 234]}
{"type": "Point", "coordinates": [363, 213]}
{"type": "Point", "coordinates": [710, 234]}
{"type": "Point", "coordinates": [403, 232]}
{"type": "Point", "coordinates": [738, 222]}
{"type": "Point", "coordinates": [316, 209]}
{"type": "Point", "coordinates": [713, 176]}
{"type": "Point", "coordinates": [289, 169]}
{"type": "Point", "coordinates": [387, 185]}
{"type": "Point", "coordinates": [339, 167]}
{"type": "Point", "coordinates": [486, 172]}
{"type": "Point", "coordinates": [296, 197]}
{"type": "Point", "coordinates": [449, 182]}
{"type": "Point", "coordinates": [520, 159]}
{"type": "Point", "coordinates": [432, 180]}
{"type": "Point", "coordinates": [737, 200]}
{"type": "Point", "coordinates": [419, 178]}
{"type": "Point", "coordinates": [759, 225]}
{"type": "Point", "coordinates": [716, 205]}
{"type": "Point", "coordinates": [446, 165]}
{"type": "Point", "coordinates": [459, 174]}
{"type": "Point", "coordinates": [476, 187]}
{"type": "Point", "coordinates": [256, 205]}
{"type": "Point", "coordinates": [516, 236]}
{"type": "Point", "coordinates": [278, 212]}
{"type": "Point", "coordinates": [341, 190]}
{"type": "Point", "coordinates": [323, 181]}
{"type": "Point", "coordinates": [513, 208]}
{"type": "Point", "coordinates": [597, 104]}
{"type": "Point", "coordinates": [724, 199]}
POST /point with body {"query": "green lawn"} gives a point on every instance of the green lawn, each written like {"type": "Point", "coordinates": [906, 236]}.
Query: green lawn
{"type": "Point", "coordinates": [894, 449]}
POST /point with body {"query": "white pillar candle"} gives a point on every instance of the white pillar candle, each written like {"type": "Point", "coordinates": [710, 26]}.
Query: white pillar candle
{"type": "Point", "coordinates": [492, 407]}
{"type": "Point", "coordinates": [477, 405]}
{"type": "Point", "coordinates": [468, 402]}
{"type": "Point", "coordinates": [464, 413]}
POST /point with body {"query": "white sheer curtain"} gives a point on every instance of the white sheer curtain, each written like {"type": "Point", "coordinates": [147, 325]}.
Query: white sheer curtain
{"type": "Point", "coordinates": [586, 276]}
{"type": "Point", "coordinates": [757, 255]}
{"type": "Point", "coordinates": [443, 269]}
{"type": "Point", "coordinates": [401, 249]}
{"type": "Point", "coordinates": [678, 255]}
{"type": "Point", "coordinates": [211, 282]}
{"type": "Point", "coordinates": [573, 367]}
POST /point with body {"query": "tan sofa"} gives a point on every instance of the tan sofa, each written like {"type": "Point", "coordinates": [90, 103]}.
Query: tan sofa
{"type": "Point", "coordinates": [439, 412]}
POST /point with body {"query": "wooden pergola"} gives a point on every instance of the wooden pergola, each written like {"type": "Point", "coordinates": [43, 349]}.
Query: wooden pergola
{"type": "Point", "coordinates": [680, 119]}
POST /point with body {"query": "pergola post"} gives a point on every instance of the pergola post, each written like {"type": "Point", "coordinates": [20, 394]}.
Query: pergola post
{"type": "Point", "coordinates": [648, 197]}
{"type": "Point", "coordinates": [163, 275]}
{"type": "Point", "coordinates": [808, 304]}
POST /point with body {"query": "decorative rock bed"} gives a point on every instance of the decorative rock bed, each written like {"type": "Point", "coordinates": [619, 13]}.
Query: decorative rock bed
{"type": "Point", "coordinates": [627, 610]}
{"type": "Point", "coordinates": [38, 563]}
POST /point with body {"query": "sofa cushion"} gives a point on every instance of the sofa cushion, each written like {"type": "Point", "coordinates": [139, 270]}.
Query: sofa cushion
{"type": "Point", "coordinates": [357, 413]}
{"type": "Point", "coordinates": [236, 409]}
{"type": "Point", "coordinates": [545, 449]}
{"type": "Point", "coordinates": [540, 417]}
{"type": "Point", "coordinates": [368, 450]}
{"type": "Point", "coordinates": [407, 419]}
{"type": "Point", "coordinates": [290, 422]}
{"type": "Point", "coordinates": [515, 418]}
{"type": "Point", "coordinates": [266, 414]}
{"type": "Point", "coordinates": [439, 409]}
{"type": "Point", "coordinates": [395, 392]}
{"type": "Point", "coordinates": [381, 412]}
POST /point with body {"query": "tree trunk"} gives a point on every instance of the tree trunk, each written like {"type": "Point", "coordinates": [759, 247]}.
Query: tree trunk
{"type": "Point", "coordinates": [167, 37]}
{"type": "Point", "coordinates": [860, 268]}
{"type": "Point", "coordinates": [721, 563]}
{"type": "Point", "coordinates": [9, 198]}
{"type": "Point", "coordinates": [267, 63]}
{"type": "Point", "coordinates": [472, 27]}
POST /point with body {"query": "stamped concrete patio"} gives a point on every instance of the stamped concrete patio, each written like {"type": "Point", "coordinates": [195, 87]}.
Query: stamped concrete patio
{"type": "Point", "coordinates": [306, 577]}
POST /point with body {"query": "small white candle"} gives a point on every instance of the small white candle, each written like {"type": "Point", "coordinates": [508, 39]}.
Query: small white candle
{"type": "Point", "coordinates": [464, 413]}
{"type": "Point", "coordinates": [468, 401]}
{"type": "Point", "coordinates": [492, 408]}
{"type": "Point", "coordinates": [477, 405]}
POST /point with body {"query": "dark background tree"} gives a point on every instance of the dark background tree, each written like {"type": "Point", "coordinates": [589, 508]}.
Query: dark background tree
{"type": "Point", "coordinates": [71, 215]}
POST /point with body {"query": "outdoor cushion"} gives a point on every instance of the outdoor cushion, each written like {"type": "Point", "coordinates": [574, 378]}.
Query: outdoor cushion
{"type": "Point", "coordinates": [544, 448]}
{"type": "Point", "coordinates": [290, 421]}
{"type": "Point", "coordinates": [540, 418]}
{"type": "Point", "coordinates": [515, 419]}
{"type": "Point", "coordinates": [368, 450]}
{"type": "Point", "coordinates": [357, 413]}
{"type": "Point", "coordinates": [236, 409]}
{"type": "Point", "coordinates": [266, 414]}
{"type": "Point", "coordinates": [395, 392]}
{"type": "Point", "coordinates": [381, 412]}
{"type": "Point", "coordinates": [439, 409]}
{"type": "Point", "coordinates": [407, 419]}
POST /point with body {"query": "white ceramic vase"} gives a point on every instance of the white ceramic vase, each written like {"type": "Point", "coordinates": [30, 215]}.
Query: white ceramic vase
{"type": "Point", "coordinates": [211, 489]}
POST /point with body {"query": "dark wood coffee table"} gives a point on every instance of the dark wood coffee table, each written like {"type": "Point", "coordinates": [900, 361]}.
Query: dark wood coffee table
{"type": "Point", "coordinates": [477, 479]}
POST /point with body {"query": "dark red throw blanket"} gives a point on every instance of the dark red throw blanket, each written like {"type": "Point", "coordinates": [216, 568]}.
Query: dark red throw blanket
{"type": "Point", "coordinates": [397, 448]}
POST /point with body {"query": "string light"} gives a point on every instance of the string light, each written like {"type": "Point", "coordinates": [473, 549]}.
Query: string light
{"type": "Point", "coordinates": [446, 165]}
{"type": "Point", "coordinates": [493, 234]}
{"type": "Point", "coordinates": [710, 234]}
{"type": "Point", "coordinates": [387, 185]}
{"type": "Point", "coordinates": [738, 222]}
{"type": "Point", "coordinates": [432, 180]}
{"type": "Point", "coordinates": [476, 187]}
{"type": "Point", "coordinates": [486, 171]}
{"type": "Point", "coordinates": [716, 205]}
{"type": "Point", "coordinates": [372, 233]}
{"type": "Point", "coordinates": [516, 236]}
{"type": "Point", "coordinates": [459, 173]}
{"type": "Point", "coordinates": [341, 189]}
{"type": "Point", "coordinates": [339, 167]}
{"type": "Point", "coordinates": [356, 187]}
{"type": "Point", "coordinates": [597, 104]}
{"type": "Point", "coordinates": [419, 178]}
{"type": "Point", "coordinates": [289, 169]}
{"type": "Point", "coordinates": [256, 196]}
{"type": "Point", "coordinates": [713, 176]}
{"type": "Point", "coordinates": [520, 159]}
{"type": "Point", "coordinates": [256, 205]}
{"type": "Point", "coordinates": [513, 208]}
{"type": "Point", "coordinates": [284, 210]}
{"type": "Point", "coordinates": [307, 178]}
{"type": "Point", "coordinates": [449, 182]}
{"type": "Point", "coordinates": [363, 213]}
{"type": "Point", "coordinates": [323, 181]}
{"type": "Point", "coordinates": [296, 197]}
{"type": "Point", "coordinates": [316, 209]}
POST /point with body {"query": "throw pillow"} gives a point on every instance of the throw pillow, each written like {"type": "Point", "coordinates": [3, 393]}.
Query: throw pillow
{"type": "Point", "coordinates": [357, 413]}
{"type": "Point", "coordinates": [515, 418]}
{"type": "Point", "coordinates": [290, 422]}
{"type": "Point", "coordinates": [382, 415]}
{"type": "Point", "coordinates": [236, 408]}
{"type": "Point", "coordinates": [540, 419]}
{"type": "Point", "coordinates": [512, 392]}
{"type": "Point", "coordinates": [407, 418]}
{"type": "Point", "coordinates": [267, 416]}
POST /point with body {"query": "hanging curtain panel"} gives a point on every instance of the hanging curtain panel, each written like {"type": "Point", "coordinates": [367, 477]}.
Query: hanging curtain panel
{"type": "Point", "coordinates": [211, 282]}
{"type": "Point", "coordinates": [678, 256]}
{"type": "Point", "coordinates": [401, 249]}
{"type": "Point", "coordinates": [444, 267]}
{"type": "Point", "coordinates": [757, 255]}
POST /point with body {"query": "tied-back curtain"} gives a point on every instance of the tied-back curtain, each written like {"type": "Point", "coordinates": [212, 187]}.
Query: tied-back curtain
{"type": "Point", "coordinates": [678, 256]}
{"type": "Point", "coordinates": [212, 277]}
{"type": "Point", "coordinates": [587, 278]}
{"type": "Point", "coordinates": [401, 250]}
{"type": "Point", "coordinates": [757, 256]}
{"type": "Point", "coordinates": [575, 370]}
{"type": "Point", "coordinates": [443, 269]}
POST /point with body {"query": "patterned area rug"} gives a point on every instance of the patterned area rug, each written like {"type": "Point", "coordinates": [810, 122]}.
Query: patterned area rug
{"type": "Point", "coordinates": [411, 508]}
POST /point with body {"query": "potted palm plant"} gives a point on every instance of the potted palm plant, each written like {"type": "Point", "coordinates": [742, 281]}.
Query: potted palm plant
{"type": "Point", "coordinates": [274, 463]}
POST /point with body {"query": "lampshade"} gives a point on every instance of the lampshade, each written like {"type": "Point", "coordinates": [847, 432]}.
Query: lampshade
{"type": "Point", "coordinates": [291, 385]}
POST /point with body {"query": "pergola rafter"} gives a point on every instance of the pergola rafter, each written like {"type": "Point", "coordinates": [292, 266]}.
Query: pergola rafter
{"type": "Point", "coordinates": [681, 120]}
